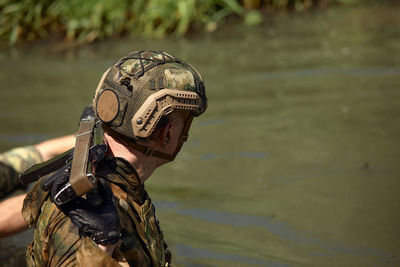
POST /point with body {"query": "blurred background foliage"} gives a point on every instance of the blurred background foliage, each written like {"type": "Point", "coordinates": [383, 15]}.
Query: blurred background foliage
{"type": "Point", "coordinates": [79, 22]}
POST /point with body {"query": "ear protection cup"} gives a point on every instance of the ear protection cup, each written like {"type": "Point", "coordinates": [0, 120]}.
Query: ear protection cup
{"type": "Point", "coordinates": [107, 106]}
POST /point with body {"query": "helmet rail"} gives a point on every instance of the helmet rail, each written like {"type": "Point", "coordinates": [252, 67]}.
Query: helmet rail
{"type": "Point", "coordinates": [160, 104]}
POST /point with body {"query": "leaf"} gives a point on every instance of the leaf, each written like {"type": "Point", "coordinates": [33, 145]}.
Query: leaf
{"type": "Point", "coordinates": [14, 34]}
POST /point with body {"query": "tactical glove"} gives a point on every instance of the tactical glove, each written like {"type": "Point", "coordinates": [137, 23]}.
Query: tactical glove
{"type": "Point", "coordinates": [95, 216]}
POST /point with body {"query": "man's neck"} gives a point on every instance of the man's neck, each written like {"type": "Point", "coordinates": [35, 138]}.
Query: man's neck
{"type": "Point", "coordinates": [144, 165]}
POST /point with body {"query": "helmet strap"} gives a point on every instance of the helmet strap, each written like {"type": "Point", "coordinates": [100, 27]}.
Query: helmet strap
{"type": "Point", "coordinates": [148, 151]}
{"type": "Point", "coordinates": [184, 136]}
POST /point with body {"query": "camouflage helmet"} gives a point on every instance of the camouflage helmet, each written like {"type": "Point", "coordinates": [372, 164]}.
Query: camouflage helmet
{"type": "Point", "coordinates": [140, 88]}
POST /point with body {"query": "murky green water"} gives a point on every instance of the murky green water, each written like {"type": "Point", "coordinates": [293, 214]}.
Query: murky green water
{"type": "Point", "coordinates": [296, 162]}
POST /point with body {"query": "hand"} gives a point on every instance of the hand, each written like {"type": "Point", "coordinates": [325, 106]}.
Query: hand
{"type": "Point", "coordinates": [95, 216]}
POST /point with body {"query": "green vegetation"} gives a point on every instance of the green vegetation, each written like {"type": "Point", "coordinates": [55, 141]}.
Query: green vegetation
{"type": "Point", "coordinates": [85, 21]}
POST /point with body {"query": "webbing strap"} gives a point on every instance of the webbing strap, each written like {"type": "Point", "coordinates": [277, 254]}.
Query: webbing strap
{"type": "Point", "coordinates": [184, 136]}
{"type": "Point", "coordinates": [148, 151]}
{"type": "Point", "coordinates": [79, 180]}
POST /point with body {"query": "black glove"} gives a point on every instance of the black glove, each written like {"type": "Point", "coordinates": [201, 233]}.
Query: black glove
{"type": "Point", "coordinates": [95, 216]}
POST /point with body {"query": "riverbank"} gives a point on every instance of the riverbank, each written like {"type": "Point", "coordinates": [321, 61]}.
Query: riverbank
{"type": "Point", "coordinates": [74, 22]}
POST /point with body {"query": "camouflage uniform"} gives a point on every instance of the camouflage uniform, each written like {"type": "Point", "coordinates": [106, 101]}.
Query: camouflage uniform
{"type": "Point", "coordinates": [56, 239]}
{"type": "Point", "coordinates": [14, 162]}
{"type": "Point", "coordinates": [131, 99]}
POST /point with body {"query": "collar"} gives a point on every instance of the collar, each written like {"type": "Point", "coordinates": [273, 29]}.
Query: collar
{"type": "Point", "coordinates": [124, 179]}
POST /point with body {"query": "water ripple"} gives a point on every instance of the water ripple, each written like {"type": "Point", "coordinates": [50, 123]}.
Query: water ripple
{"type": "Point", "coordinates": [378, 71]}
{"type": "Point", "coordinates": [24, 138]}
{"type": "Point", "coordinates": [185, 251]}
{"type": "Point", "coordinates": [281, 229]}
{"type": "Point", "coordinates": [228, 155]}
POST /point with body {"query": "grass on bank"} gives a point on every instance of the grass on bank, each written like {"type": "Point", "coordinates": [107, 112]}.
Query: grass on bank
{"type": "Point", "coordinates": [85, 21]}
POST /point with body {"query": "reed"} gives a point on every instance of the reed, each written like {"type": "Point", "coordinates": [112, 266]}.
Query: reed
{"type": "Point", "coordinates": [85, 21]}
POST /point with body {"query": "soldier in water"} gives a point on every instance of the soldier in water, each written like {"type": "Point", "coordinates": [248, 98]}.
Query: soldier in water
{"type": "Point", "coordinates": [144, 104]}
{"type": "Point", "coordinates": [12, 163]}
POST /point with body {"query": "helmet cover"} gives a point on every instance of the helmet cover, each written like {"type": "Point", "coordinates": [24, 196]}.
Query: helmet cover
{"type": "Point", "coordinates": [140, 88]}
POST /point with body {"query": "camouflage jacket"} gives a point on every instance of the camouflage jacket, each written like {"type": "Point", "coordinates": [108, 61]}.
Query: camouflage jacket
{"type": "Point", "coordinates": [14, 162]}
{"type": "Point", "coordinates": [56, 240]}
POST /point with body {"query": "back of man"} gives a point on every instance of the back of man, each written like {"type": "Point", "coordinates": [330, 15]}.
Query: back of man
{"type": "Point", "coordinates": [145, 103]}
{"type": "Point", "coordinates": [57, 241]}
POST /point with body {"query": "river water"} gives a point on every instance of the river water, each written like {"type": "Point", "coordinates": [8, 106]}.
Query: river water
{"type": "Point", "coordinates": [296, 161]}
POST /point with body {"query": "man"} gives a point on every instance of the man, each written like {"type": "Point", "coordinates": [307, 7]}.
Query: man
{"type": "Point", "coordinates": [145, 103]}
{"type": "Point", "coordinates": [12, 163]}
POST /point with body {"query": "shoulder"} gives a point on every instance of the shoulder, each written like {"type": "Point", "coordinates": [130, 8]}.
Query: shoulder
{"type": "Point", "coordinates": [56, 239]}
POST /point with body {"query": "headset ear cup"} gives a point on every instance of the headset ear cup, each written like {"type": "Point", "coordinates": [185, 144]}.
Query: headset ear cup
{"type": "Point", "coordinates": [107, 106]}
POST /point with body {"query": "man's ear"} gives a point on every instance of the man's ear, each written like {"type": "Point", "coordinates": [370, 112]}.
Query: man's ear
{"type": "Point", "coordinates": [166, 134]}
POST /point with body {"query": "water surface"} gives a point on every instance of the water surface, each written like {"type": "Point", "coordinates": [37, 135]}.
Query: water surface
{"type": "Point", "coordinates": [296, 161]}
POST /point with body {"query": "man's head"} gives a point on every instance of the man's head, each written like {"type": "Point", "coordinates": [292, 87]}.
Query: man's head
{"type": "Point", "coordinates": [145, 92]}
